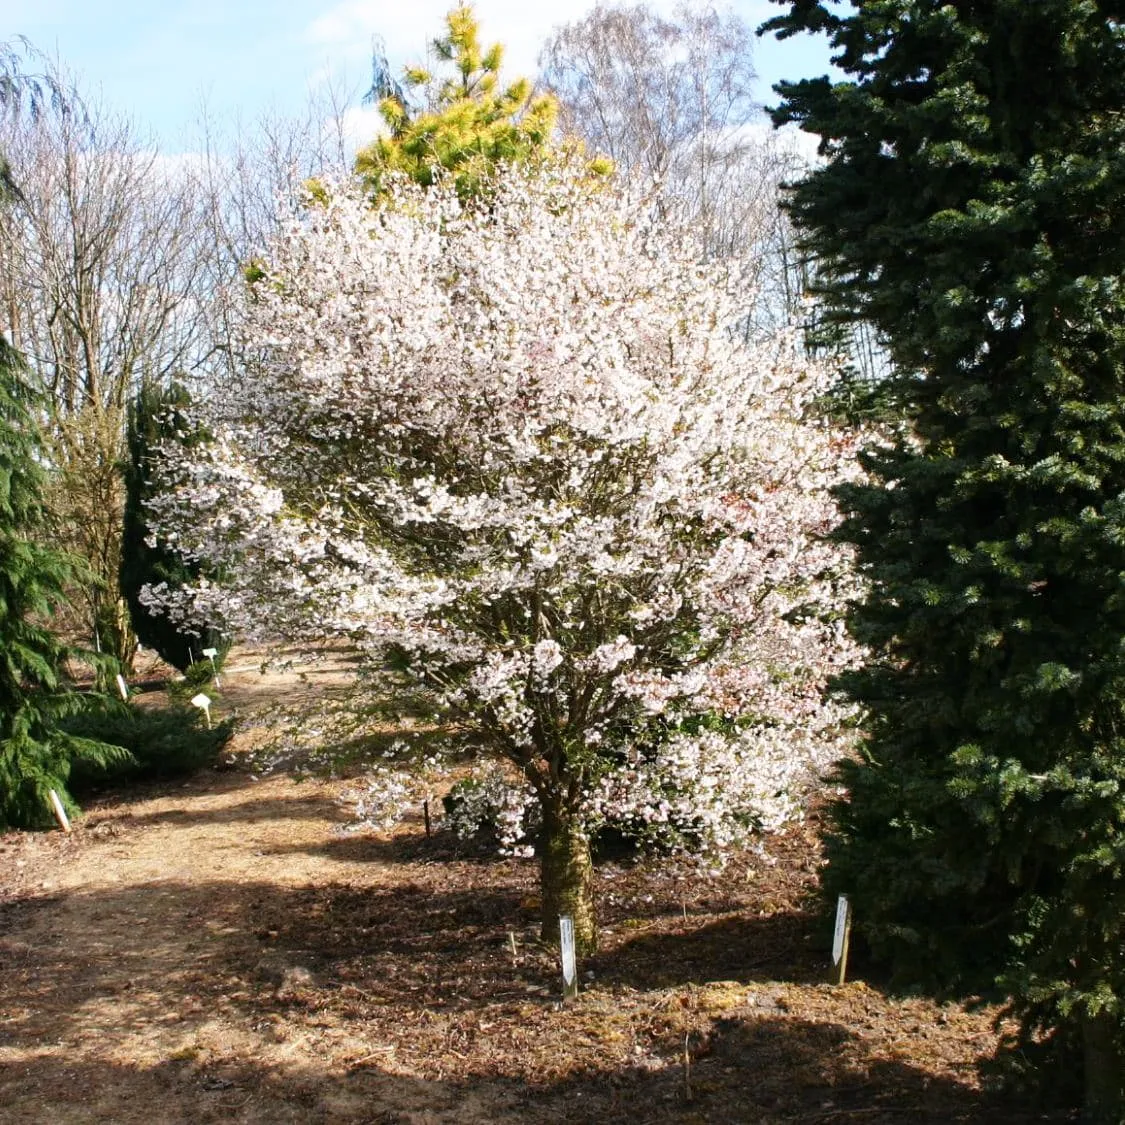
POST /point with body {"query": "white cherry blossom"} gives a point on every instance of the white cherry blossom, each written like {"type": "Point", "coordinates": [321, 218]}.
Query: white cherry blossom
{"type": "Point", "coordinates": [528, 449]}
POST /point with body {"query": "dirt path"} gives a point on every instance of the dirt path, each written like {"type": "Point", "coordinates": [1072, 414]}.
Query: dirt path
{"type": "Point", "coordinates": [225, 951]}
{"type": "Point", "coordinates": [169, 971]}
{"type": "Point", "coordinates": [163, 963]}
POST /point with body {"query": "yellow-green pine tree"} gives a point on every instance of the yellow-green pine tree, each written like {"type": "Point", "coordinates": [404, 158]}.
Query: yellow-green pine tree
{"type": "Point", "coordinates": [470, 123]}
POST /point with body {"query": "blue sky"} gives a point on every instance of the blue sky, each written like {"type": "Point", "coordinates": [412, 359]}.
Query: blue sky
{"type": "Point", "coordinates": [158, 62]}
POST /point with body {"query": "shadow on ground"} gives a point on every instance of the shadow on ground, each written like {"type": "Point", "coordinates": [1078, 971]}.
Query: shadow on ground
{"type": "Point", "coordinates": [767, 1071]}
{"type": "Point", "coordinates": [103, 814]}
{"type": "Point", "coordinates": [408, 847]}
{"type": "Point", "coordinates": [403, 1003]}
{"type": "Point", "coordinates": [778, 947]}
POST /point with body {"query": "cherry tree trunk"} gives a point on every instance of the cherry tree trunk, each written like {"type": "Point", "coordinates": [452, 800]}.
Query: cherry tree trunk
{"type": "Point", "coordinates": [567, 877]}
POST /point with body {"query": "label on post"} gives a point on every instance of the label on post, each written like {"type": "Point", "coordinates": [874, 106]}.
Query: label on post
{"type": "Point", "coordinates": [841, 929]}
{"type": "Point", "coordinates": [203, 702]}
{"type": "Point", "coordinates": [58, 810]}
{"type": "Point", "coordinates": [569, 967]}
{"type": "Point", "coordinates": [211, 653]}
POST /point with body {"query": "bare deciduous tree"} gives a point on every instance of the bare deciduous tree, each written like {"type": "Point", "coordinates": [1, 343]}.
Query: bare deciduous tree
{"type": "Point", "coordinates": [672, 100]}
{"type": "Point", "coordinates": [101, 285]}
{"type": "Point", "coordinates": [114, 265]}
{"type": "Point", "coordinates": [246, 176]}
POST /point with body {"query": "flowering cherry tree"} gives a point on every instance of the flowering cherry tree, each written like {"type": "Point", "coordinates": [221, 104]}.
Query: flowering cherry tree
{"type": "Point", "coordinates": [526, 450]}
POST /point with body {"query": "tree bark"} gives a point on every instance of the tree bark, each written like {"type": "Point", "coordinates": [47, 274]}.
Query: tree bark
{"type": "Point", "coordinates": [567, 874]}
{"type": "Point", "coordinates": [1105, 1070]}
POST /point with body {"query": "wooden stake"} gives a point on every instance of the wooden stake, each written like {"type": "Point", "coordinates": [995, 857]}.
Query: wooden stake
{"type": "Point", "coordinates": [687, 1068]}
{"type": "Point", "coordinates": [426, 816]}
{"type": "Point", "coordinates": [59, 811]}
{"type": "Point", "coordinates": [512, 944]}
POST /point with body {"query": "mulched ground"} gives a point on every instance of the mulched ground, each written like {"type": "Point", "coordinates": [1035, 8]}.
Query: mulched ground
{"type": "Point", "coordinates": [227, 951]}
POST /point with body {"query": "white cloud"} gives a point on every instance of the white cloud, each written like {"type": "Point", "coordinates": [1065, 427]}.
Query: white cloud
{"type": "Point", "coordinates": [360, 125]}
{"type": "Point", "coordinates": [343, 23]}
{"type": "Point", "coordinates": [345, 30]}
{"type": "Point", "coordinates": [174, 166]}
{"type": "Point", "coordinates": [787, 141]}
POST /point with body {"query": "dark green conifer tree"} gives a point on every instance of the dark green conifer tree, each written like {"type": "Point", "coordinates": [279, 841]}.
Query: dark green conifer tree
{"type": "Point", "coordinates": [158, 415]}
{"type": "Point", "coordinates": [972, 207]}
{"type": "Point", "coordinates": [35, 697]}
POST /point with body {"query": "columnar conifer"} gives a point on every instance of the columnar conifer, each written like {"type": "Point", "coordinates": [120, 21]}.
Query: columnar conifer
{"type": "Point", "coordinates": [970, 206]}
{"type": "Point", "coordinates": [35, 755]}
{"type": "Point", "coordinates": [157, 415]}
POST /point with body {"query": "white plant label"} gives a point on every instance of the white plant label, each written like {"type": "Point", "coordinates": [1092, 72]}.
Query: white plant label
{"type": "Point", "coordinates": [569, 967]}
{"type": "Point", "coordinates": [59, 811]}
{"type": "Point", "coordinates": [211, 653]}
{"type": "Point", "coordinates": [203, 702]}
{"type": "Point", "coordinates": [841, 929]}
{"type": "Point", "coordinates": [122, 686]}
